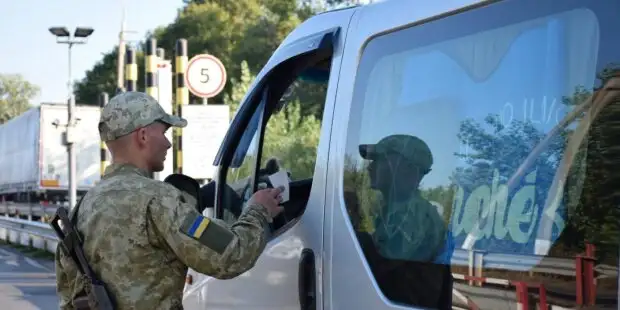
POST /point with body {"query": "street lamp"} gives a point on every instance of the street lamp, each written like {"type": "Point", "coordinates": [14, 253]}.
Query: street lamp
{"type": "Point", "coordinates": [63, 36]}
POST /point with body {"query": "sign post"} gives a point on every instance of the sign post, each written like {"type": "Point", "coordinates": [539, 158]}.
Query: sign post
{"type": "Point", "coordinates": [163, 81]}
{"type": "Point", "coordinates": [205, 76]}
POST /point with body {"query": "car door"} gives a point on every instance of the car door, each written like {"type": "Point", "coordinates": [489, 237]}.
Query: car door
{"type": "Point", "coordinates": [265, 137]}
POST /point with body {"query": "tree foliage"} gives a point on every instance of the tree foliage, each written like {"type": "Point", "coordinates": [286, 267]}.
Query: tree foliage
{"type": "Point", "coordinates": [233, 31]}
{"type": "Point", "coordinates": [15, 96]}
{"type": "Point", "coordinates": [290, 136]}
{"type": "Point", "coordinates": [588, 211]}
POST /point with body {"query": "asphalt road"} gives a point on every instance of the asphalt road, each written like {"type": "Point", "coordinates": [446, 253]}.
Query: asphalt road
{"type": "Point", "coordinates": [26, 283]}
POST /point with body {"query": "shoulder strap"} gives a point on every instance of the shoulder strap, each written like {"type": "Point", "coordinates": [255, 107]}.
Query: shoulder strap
{"type": "Point", "coordinates": [70, 240]}
{"type": "Point", "coordinates": [74, 212]}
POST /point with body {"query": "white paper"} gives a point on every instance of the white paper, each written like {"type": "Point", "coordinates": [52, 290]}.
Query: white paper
{"type": "Point", "coordinates": [278, 179]}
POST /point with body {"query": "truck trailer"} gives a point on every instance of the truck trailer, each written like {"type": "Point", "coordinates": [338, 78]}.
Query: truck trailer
{"type": "Point", "coordinates": [34, 160]}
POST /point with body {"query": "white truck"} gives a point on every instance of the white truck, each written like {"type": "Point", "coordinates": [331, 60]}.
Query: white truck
{"type": "Point", "coordinates": [33, 158]}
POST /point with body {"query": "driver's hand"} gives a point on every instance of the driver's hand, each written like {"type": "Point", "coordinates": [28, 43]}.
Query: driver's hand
{"type": "Point", "coordinates": [270, 198]}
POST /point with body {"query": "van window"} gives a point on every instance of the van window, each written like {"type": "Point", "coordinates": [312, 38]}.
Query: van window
{"type": "Point", "coordinates": [469, 148]}
{"type": "Point", "coordinates": [290, 142]}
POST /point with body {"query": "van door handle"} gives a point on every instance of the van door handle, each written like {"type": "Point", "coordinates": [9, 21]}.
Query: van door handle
{"type": "Point", "coordinates": [307, 280]}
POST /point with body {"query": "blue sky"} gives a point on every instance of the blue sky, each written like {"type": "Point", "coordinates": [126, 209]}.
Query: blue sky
{"type": "Point", "coordinates": [29, 49]}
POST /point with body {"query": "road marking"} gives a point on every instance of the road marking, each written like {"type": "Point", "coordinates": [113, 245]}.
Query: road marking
{"type": "Point", "coordinates": [6, 253]}
{"type": "Point", "coordinates": [12, 262]}
{"type": "Point", "coordinates": [36, 264]}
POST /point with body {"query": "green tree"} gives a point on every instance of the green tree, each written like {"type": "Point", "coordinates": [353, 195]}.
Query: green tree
{"type": "Point", "coordinates": [233, 31]}
{"type": "Point", "coordinates": [15, 96]}
{"type": "Point", "coordinates": [290, 136]}
{"type": "Point", "coordinates": [102, 78]}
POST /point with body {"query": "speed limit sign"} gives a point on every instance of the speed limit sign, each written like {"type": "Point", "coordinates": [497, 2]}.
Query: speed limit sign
{"type": "Point", "coordinates": [205, 76]}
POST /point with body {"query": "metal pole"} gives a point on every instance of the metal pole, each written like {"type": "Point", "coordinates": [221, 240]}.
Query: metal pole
{"type": "Point", "coordinates": [150, 68]}
{"type": "Point", "coordinates": [103, 151]}
{"type": "Point", "coordinates": [120, 62]}
{"type": "Point", "coordinates": [131, 70]}
{"type": "Point", "coordinates": [69, 140]}
{"type": "Point", "coordinates": [181, 96]}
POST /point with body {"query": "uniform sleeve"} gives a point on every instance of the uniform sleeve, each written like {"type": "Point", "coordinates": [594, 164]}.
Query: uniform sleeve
{"type": "Point", "coordinates": [63, 283]}
{"type": "Point", "coordinates": [208, 245]}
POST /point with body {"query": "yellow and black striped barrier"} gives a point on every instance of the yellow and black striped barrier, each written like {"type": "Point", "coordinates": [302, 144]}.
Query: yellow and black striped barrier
{"type": "Point", "coordinates": [131, 70]}
{"type": "Point", "coordinates": [181, 97]}
{"type": "Point", "coordinates": [103, 100]}
{"type": "Point", "coordinates": [150, 67]}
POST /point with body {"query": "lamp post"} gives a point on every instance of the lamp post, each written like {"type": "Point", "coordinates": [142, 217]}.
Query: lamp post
{"type": "Point", "coordinates": [63, 36]}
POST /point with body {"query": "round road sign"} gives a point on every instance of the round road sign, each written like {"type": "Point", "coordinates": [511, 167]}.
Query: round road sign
{"type": "Point", "coordinates": [205, 76]}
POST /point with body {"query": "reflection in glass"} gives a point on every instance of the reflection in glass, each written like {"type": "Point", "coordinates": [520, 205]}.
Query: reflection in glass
{"type": "Point", "coordinates": [523, 123]}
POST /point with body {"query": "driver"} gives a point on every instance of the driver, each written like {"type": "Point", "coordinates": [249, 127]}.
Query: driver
{"type": "Point", "coordinates": [409, 233]}
{"type": "Point", "coordinates": [408, 226]}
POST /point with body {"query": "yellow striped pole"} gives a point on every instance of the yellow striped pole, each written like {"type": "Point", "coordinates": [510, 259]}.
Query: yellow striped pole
{"type": "Point", "coordinates": [131, 70]}
{"type": "Point", "coordinates": [103, 100]}
{"type": "Point", "coordinates": [181, 98]}
{"type": "Point", "coordinates": [150, 67]}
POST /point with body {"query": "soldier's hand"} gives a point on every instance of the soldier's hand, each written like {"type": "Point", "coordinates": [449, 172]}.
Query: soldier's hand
{"type": "Point", "coordinates": [270, 198]}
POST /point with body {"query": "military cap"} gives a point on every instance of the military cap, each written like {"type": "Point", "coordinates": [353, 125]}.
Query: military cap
{"type": "Point", "coordinates": [411, 148]}
{"type": "Point", "coordinates": [129, 111]}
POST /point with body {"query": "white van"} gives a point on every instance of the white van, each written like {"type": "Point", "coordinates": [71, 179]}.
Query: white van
{"type": "Point", "coordinates": [473, 137]}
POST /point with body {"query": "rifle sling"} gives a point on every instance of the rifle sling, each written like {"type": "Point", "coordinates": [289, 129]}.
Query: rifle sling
{"type": "Point", "coordinates": [71, 244]}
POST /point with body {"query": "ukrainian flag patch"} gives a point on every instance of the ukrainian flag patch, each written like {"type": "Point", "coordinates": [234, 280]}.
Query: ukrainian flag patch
{"type": "Point", "coordinates": [206, 232]}
{"type": "Point", "coordinates": [198, 227]}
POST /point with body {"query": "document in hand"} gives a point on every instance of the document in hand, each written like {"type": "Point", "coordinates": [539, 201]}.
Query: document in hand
{"type": "Point", "coordinates": [278, 179]}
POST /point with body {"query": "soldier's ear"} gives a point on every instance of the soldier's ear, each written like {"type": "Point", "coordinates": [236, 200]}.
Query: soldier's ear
{"type": "Point", "coordinates": [141, 136]}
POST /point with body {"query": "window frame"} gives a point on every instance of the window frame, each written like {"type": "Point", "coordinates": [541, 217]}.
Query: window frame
{"type": "Point", "coordinates": [289, 62]}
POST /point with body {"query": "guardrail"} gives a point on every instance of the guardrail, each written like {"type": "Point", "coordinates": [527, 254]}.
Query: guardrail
{"type": "Point", "coordinates": [28, 233]}
{"type": "Point", "coordinates": [28, 210]}
{"type": "Point", "coordinates": [41, 236]}
{"type": "Point", "coordinates": [475, 260]}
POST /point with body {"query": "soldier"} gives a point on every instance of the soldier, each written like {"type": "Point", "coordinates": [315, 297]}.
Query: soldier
{"type": "Point", "coordinates": [139, 234]}
{"type": "Point", "coordinates": [407, 250]}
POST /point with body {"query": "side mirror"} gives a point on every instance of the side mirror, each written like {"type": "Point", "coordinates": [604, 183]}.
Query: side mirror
{"type": "Point", "coordinates": [186, 184]}
{"type": "Point", "coordinates": [231, 200]}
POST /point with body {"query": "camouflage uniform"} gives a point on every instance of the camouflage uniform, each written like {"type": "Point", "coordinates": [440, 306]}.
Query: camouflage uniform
{"type": "Point", "coordinates": [141, 234]}
{"type": "Point", "coordinates": [413, 229]}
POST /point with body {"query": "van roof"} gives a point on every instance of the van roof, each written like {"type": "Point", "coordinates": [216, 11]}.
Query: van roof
{"type": "Point", "coordinates": [320, 22]}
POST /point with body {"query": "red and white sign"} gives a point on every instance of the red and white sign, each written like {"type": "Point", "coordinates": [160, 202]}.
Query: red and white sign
{"type": "Point", "coordinates": [205, 76]}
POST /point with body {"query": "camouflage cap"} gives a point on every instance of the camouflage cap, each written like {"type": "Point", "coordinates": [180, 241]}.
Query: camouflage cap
{"type": "Point", "coordinates": [129, 111]}
{"type": "Point", "coordinates": [411, 148]}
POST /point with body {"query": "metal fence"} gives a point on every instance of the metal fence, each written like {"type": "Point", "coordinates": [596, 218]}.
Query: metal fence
{"type": "Point", "coordinates": [27, 209]}
{"type": "Point", "coordinates": [27, 233]}
{"type": "Point", "coordinates": [41, 236]}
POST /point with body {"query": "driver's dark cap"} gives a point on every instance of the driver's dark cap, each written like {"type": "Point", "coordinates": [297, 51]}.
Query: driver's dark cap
{"type": "Point", "coordinates": [411, 148]}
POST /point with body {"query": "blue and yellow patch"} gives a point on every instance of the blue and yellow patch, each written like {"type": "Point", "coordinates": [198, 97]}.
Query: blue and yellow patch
{"type": "Point", "coordinates": [198, 227]}
{"type": "Point", "coordinates": [206, 232]}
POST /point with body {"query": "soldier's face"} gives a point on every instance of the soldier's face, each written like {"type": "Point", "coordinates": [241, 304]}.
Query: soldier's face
{"type": "Point", "coordinates": [157, 146]}
{"type": "Point", "coordinates": [387, 170]}
{"type": "Point", "coordinates": [380, 173]}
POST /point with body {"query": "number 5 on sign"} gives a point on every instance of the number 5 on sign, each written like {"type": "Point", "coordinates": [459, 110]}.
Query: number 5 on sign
{"type": "Point", "coordinates": [205, 76]}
